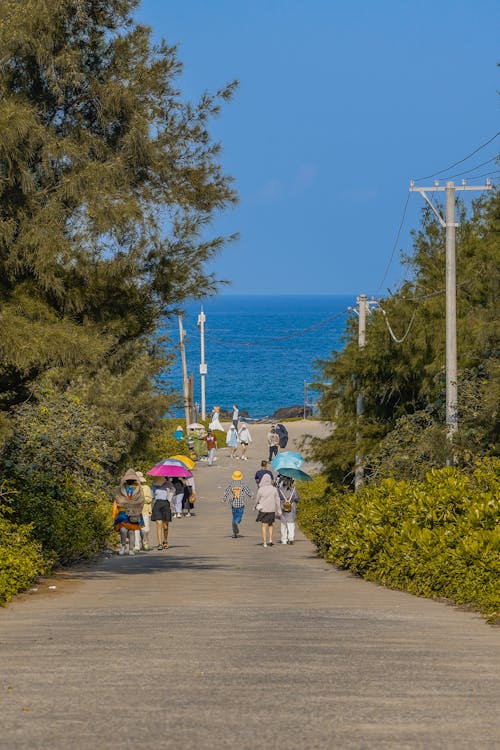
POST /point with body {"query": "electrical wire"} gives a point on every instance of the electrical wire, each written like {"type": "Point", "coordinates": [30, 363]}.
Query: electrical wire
{"type": "Point", "coordinates": [267, 341]}
{"type": "Point", "coordinates": [389, 328]}
{"type": "Point", "coordinates": [473, 169]}
{"type": "Point", "coordinates": [460, 161]}
{"type": "Point", "coordinates": [394, 245]}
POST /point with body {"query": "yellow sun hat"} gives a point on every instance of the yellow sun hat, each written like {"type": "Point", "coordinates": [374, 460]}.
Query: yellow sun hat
{"type": "Point", "coordinates": [237, 475]}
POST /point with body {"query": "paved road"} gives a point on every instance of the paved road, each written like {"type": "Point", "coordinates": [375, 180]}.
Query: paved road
{"type": "Point", "coordinates": [219, 643]}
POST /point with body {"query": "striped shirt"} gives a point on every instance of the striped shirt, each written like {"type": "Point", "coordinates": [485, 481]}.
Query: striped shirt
{"type": "Point", "coordinates": [235, 492]}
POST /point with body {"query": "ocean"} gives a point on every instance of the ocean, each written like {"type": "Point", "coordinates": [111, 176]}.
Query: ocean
{"type": "Point", "coordinates": [260, 351]}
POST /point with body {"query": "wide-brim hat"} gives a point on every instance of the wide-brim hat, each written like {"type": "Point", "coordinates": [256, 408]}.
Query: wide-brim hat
{"type": "Point", "coordinates": [237, 475]}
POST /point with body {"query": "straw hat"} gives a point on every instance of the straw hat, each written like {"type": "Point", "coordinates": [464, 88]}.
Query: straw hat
{"type": "Point", "coordinates": [237, 475]}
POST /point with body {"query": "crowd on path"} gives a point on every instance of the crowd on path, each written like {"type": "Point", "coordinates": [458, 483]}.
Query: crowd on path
{"type": "Point", "coordinates": [136, 504]}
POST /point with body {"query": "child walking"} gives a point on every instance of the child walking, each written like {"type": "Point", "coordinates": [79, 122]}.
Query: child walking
{"type": "Point", "coordinates": [235, 494]}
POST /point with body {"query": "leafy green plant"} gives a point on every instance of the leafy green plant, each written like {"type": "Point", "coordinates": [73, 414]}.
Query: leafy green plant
{"type": "Point", "coordinates": [437, 538]}
{"type": "Point", "coordinates": [21, 559]}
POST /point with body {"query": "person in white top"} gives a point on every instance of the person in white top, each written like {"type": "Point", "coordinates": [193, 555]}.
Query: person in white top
{"type": "Point", "coordinates": [245, 439]}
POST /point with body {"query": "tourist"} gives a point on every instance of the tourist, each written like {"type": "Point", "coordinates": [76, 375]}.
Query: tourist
{"type": "Point", "coordinates": [215, 424]}
{"type": "Point", "coordinates": [273, 441]}
{"type": "Point", "coordinates": [211, 442]}
{"type": "Point", "coordinates": [179, 432]}
{"type": "Point", "coordinates": [163, 492]}
{"type": "Point", "coordinates": [263, 470]}
{"type": "Point", "coordinates": [289, 497]}
{"type": "Point", "coordinates": [178, 496]}
{"type": "Point", "coordinates": [245, 439]}
{"type": "Point", "coordinates": [234, 493]}
{"type": "Point", "coordinates": [267, 503]}
{"type": "Point", "coordinates": [142, 536]}
{"type": "Point", "coordinates": [236, 416]}
{"type": "Point", "coordinates": [232, 441]}
{"type": "Point", "coordinates": [189, 496]}
{"type": "Point", "coordinates": [127, 510]}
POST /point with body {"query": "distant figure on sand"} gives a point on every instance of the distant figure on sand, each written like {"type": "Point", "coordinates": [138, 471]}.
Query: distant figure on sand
{"type": "Point", "coordinates": [289, 497]}
{"type": "Point", "coordinates": [232, 441]}
{"type": "Point", "coordinates": [236, 416]}
{"type": "Point", "coordinates": [263, 470]}
{"type": "Point", "coordinates": [245, 439]}
{"type": "Point", "coordinates": [267, 503]}
{"type": "Point", "coordinates": [215, 424]}
{"type": "Point", "coordinates": [273, 441]}
{"type": "Point", "coordinates": [234, 494]}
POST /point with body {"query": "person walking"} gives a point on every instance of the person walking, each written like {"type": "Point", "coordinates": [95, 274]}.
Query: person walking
{"type": "Point", "coordinates": [211, 442]}
{"type": "Point", "coordinates": [245, 439]}
{"type": "Point", "coordinates": [127, 510]}
{"type": "Point", "coordinates": [178, 496]}
{"type": "Point", "coordinates": [190, 492]}
{"type": "Point", "coordinates": [234, 494]}
{"type": "Point", "coordinates": [232, 441]}
{"type": "Point", "coordinates": [263, 470]}
{"type": "Point", "coordinates": [267, 503]}
{"type": "Point", "coordinates": [289, 497]}
{"type": "Point", "coordinates": [273, 441]}
{"type": "Point", "coordinates": [236, 416]}
{"type": "Point", "coordinates": [142, 536]}
{"type": "Point", "coordinates": [215, 423]}
{"type": "Point", "coordinates": [161, 513]}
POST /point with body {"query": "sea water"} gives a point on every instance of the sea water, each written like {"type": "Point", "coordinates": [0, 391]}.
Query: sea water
{"type": "Point", "coordinates": [260, 351]}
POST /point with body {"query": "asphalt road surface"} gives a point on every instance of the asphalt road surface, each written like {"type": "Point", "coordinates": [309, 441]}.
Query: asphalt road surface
{"type": "Point", "coordinates": [220, 643]}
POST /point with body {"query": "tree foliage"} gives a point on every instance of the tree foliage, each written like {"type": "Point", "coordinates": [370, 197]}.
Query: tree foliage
{"type": "Point", "coordinates": [109, 182]}
{"type": "Point", "coordinates": [404, 384]}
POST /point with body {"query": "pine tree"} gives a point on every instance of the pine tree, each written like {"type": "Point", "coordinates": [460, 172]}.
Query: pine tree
{"type": "Point", "coordinates": [108, 183]}
{"type": "Point", "coordinates": [402, 429]}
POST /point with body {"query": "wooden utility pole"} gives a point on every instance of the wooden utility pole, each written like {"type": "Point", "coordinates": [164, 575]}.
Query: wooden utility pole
{"type": "Point", "coordinates": [362, 310]}
{"type": "Point", "coordinates": [451, 290]}
{"type": "Point", "coordinates": [185, 382]}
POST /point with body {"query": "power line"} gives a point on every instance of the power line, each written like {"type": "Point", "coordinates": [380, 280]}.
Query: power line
{"type": "Point", "coordinates": [267, 341]}
{"type": "Point", "coordinates": [394, 245]}
{"type": "Point", "coordinates": [460, 161]}
{"type": "Point", "coordinates": [389, 328]}
{"type": "Point", "coordinates": [473, 169]}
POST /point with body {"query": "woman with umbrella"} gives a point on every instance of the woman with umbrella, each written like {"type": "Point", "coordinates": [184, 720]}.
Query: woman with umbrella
{"type": "Point", "coordinates": [289, 497]}
{"type": "Point", "coordinates": [163, 491]}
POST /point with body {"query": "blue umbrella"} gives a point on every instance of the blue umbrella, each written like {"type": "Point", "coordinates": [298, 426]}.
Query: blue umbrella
{"type": "Point", "coordinates": [287, 459]}
{"type": "Point", "coordinates": [298, 474]}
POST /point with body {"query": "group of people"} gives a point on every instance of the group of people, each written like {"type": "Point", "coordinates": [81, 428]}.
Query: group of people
{"type": "Point", "coordinates": [136, 505]}
{"type": "Point", "coordinates": [276, 498]}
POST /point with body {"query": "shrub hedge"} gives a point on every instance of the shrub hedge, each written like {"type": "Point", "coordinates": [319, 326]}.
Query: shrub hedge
{"type": "Point", "coordinates": [435, 538]}
{"type": "Point", "coordinates": [21, 559]}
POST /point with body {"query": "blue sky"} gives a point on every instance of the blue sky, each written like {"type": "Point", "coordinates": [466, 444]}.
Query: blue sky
{"type": "Point", "coordinates": [340, 104]}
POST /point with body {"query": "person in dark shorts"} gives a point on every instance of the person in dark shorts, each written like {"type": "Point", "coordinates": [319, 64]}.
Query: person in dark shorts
{"type": "Point", "coordinates": [163, 492]}
{"type": "Point", "coordinates": [267, 503]}
{"type": "Point", "coordinates": [263, 470]}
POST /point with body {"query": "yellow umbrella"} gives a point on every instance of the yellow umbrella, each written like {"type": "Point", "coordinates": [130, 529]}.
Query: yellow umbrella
{"type": "Point", "coordinates": [188, 462]}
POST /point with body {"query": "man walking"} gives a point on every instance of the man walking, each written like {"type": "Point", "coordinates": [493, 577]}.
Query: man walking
{"type": "Point", "coordinates": [263, 470]}
{"type": "Point", "coordinates": [234, 493]}
{"type": "Point", "coordinates": [211, 442]}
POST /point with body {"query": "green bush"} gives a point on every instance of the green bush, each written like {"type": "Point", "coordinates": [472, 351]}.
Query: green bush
{"type": "Point", "coordinates": [21, 559]}
{"type": "Point", "coordinates": [436, 538]}
{"type": "Point", "coordinates": [57, 461]}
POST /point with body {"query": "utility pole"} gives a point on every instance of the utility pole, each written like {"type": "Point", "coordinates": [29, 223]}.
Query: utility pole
{"type": "Point", "coordinates": [451, 290]}
{"type": "Point", "coordinates": [185, 382]}
{"type": "Point", "coordinates": [361, 311]}
{"type": "Point", "coordinates": [203, 367]}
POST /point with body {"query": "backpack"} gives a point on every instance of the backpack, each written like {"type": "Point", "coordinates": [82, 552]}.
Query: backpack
{"type": "Point", "coordinates": [283, 435]}
{"type": "Point", "coordinates": [287, 503]}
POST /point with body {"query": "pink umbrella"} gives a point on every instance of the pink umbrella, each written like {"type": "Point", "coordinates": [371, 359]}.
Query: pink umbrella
{"type": "Point", "coordinates": [169, 470]}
